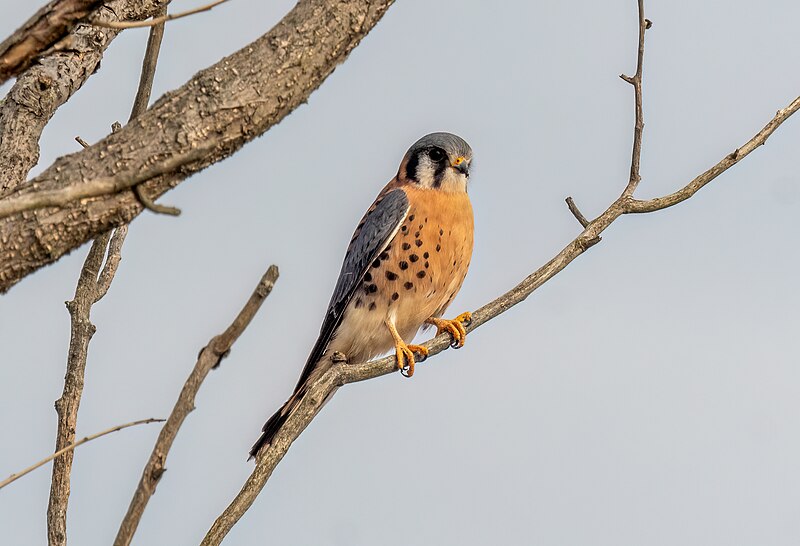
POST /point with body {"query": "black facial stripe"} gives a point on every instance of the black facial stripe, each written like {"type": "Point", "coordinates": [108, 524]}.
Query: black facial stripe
{"type": "Point", "coordinates": [438, 173]}
{"type": "Point", "coordinates": [411, 167]}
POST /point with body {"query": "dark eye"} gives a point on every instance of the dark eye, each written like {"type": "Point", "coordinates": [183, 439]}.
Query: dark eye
{"type": "Point", "coordinates": [436, 155]}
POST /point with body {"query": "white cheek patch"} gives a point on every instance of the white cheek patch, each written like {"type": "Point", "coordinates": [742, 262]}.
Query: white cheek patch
{"type": "Point", "coordinates": [425, 170]}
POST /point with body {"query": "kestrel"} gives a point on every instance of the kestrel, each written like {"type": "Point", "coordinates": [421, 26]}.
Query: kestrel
{"type": "Point", "coordinates": [406, 261]}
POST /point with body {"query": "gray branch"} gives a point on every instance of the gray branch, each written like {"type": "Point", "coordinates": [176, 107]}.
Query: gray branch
{"type": "Point", "coordinates": [217, 111]}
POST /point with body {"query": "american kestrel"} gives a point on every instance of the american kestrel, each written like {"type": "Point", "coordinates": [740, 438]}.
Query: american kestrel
{"type": "Point", "coordinates": [406, 261]}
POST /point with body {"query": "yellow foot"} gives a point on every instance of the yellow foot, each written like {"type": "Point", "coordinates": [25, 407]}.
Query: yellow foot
{"type": "Point", "coordinates": [406, 358]}
{"type": "Point", "coordinates": [454, 327]}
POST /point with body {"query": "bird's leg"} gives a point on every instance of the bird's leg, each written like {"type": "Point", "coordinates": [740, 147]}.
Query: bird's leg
{"type": "Point", "coordinates": [404, 352]}
{"type": "Point", "coordinates": [454, 327]}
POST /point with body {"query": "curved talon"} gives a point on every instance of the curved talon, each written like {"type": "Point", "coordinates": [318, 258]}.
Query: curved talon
{"type": "Point", "coordinates": [406, 358]}
{"type": "Point", "coordinates": [454, 327]}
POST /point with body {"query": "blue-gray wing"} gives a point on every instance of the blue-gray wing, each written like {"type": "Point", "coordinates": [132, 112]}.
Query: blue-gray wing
{"type": "Point", "coordinates": [371, 238]}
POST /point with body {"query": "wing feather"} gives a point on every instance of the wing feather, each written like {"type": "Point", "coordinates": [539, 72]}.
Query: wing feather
{"type": "Point", "coordinates": [371, 237]}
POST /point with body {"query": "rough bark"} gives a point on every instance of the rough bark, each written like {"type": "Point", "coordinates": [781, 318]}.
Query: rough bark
{"type": "Point", "coordinates": [41, 32]}
{"type": "Point", "coordinates": [45, 86]}
{"type": "Point", "coordinates": [217, 111]}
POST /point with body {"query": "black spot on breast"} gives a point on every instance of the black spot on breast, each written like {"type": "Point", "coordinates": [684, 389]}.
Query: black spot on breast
{"type": "Point", "coordinates": [404, 229]}
{"type": "Point", "coordinates": [403, 265]}
{"type": "Point", "coordinates": [427, 264]}
{"type": "Point", "coordinates": [421, 275]}
{"type": "Point", "coordinates": [413, 258]}
{"type": "Point", "coordinates": [421, 226]}
{"type": "Point", "coordinates": [411, 218]}
{"type": "Point", "coordinates": [408, 285]}
{"type": "Point", "coordinates": [395, 296]}
{"type": "Point", "coordinates": [391, 276]}
{"type": "Point", "coordinates": [441, 232]}
{"type": "Point", "coordinates": [438, 248]}
{"type": "Point", "coordinates": [376, 263]}
{"type": "Point", "coordinates": [418, 242]}
{"type": "Point", "coordinates": [368, 276]}
{"type": "Point", "coordinates": [426, 255]}
{"type": "Point", "coordinates": [359, 303]}
{"type": "Point", "coordinates": [406, 246]}
{"type": "Point", "coordinates": [372, 288]}
{"type": "Point", "coordinates": [372, 306]}
{"type": "Point", "coordinates": [416, 234]}
{"type": "Point", "coordinates": [384, 255]}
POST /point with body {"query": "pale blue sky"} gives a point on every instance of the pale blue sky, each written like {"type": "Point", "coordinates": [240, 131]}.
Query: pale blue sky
{"type": "Point", "coordinates": [649, 394]}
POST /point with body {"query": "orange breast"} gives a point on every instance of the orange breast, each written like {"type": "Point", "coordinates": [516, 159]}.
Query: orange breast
{"type": "Point", "coordinates": [430, 255]}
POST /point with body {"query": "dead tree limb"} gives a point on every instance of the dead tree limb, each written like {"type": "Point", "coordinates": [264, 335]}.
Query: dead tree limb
{"type": "Point", "coordinates": [50, 82]}
{"type": "Point", "coordinates": [210, 357]}
{"type": "Point", "coordinates": [41, 32]}
{"type": "Point", "coordinates": [92, 285]}
{"type": "Point", "coordinates": [14, 477]}
{"type": "Point", "coordinates": [268, 458]}
{"type": "Point", "coordinates": [219, 110]}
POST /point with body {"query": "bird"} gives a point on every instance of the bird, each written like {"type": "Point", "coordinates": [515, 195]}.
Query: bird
{"type": "Point", "coordinates": [405, 263]}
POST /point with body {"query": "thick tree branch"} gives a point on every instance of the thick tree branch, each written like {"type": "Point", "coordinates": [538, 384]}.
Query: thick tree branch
{"type": "Point", "coordinates": [219, 110]}
{"type": "Point", "coordinates": [14, 477]}
{"type": "Point", "coordinates": [41, 32]}
{"type": "Point", "coordinates": [210, 357]}
{"type": "Point", "coordinates": [50, 82]}
{"type": "Point", "coordinates": [337, 376]}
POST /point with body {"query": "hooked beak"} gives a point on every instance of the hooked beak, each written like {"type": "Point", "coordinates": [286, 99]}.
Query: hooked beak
{"type": "Point", "coordinates": [461, 165]}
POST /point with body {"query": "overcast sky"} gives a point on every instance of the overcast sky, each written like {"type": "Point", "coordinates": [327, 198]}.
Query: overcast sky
{"type": "Point", "coordinates": [649, 394]}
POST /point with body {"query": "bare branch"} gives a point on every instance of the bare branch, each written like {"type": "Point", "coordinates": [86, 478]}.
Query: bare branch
{"type": "Point", "coordinates": [81, 333]}
{"type": "Point", "coordinates": [93, 284]}
{"type": "Point", "coordinates": [50, 82]}
{"type": "Point", "coordinates": [321, 389]}
{"type": "Point", "coordinates": [658, 203]}
{"type": "Point", "coordinates": [98, 187]}
{"type": "Point", "coordinates": [210, 357]}
{"type": "Point", "coordinates": [233, 102]}
{"type": "Point", "coordinates": [14, 477]}
{"type": "Point", "coordinates": [636, 82]}
{"type": "Point", "coordinates": [41, 32]}
{"type": "Point", "coordinates": [143, 98]}
{"type": "Point", "coordinates": [113, 258]}
{"type": "Point", "coordinates": [573, 208]}
{"type": "Point", "coordinates": [119, 25]}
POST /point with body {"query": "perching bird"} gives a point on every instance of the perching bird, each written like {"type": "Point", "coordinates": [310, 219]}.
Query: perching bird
{"type": "Point", "coordinates": [406, 261]}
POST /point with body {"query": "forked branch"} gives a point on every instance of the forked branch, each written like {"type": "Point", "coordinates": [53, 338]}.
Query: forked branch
{"type": "Point", "coordinates": [269, 457]}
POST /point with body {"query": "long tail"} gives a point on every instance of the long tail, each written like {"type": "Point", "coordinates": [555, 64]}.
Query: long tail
{"type": "Point", "coordinates": [274, 424]}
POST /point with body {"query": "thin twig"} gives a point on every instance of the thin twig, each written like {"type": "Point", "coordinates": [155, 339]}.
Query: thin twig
{"type": "Point", "coordinates": [321, 389]}
{"type": "Point", "coordinates": [210, 357]}
{"type": "Point", "coordinates": [97, 187]}
{"type": "Point", "coordinates": [638, 127]}
{"type": "Point", "coordinates": [573, 208]}
{"type": "Point", "coordinates": [82, 142]}
{"type": "Point", "coordinates": [658, 203]}
{"type": "Point", "coordinates": [143, 98]}
{"type": "Point", "coordinates": [14, 477]}
{"type": "Point", "coordinates": [157, 20]}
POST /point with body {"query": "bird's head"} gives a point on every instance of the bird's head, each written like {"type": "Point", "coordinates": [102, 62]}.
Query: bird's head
{"type": "Point", "coordinates": [437, 161]}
